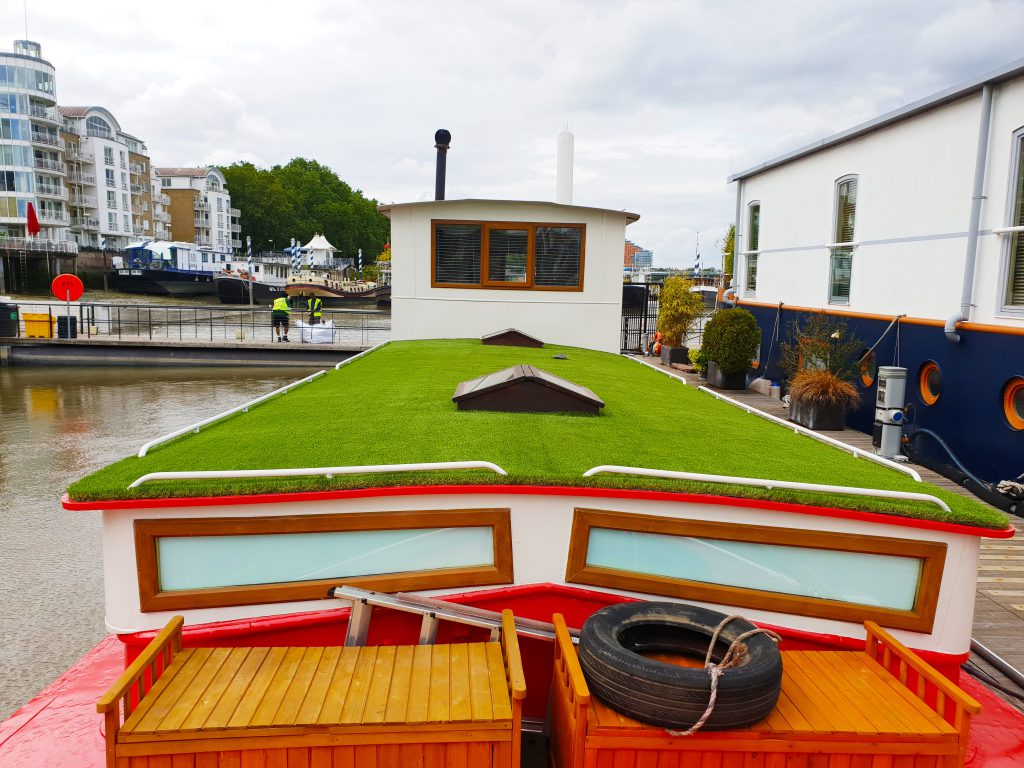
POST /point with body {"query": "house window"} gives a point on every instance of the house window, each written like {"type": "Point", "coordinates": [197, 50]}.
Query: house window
{"type": "Point", "coordinates": [165, 182]}
{"type": "Point", "coordinates": [208, 562]}
{"type": "Point", "coordinates": [111, 199]}
{"type": "Point", "coordinates": [753, 235]}
{"type": "Point", "coordinates": [110, 177]}
{"type": "Point", "coordinates": [841, 265]}
{"type": "Point", "coordinates": [112, 221]}
{"type": "Point", "coordinates": [108, 155]}
{"type": "Point", "coordinates": [1013, 256]}
{"type": "Point", "coordinates": [508, 255]}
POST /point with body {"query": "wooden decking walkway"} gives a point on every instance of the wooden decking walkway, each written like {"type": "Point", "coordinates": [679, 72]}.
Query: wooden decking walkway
{"type": "Point", "coordinates": [999, 611]}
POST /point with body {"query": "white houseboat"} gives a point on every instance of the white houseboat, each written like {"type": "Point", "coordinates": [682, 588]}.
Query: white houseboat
{"type": "Point", "coordinates": [163, 268]}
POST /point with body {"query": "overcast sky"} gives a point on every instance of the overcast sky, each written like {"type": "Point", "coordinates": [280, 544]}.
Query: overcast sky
{"type": "Point", "coordinates": [665, 98]}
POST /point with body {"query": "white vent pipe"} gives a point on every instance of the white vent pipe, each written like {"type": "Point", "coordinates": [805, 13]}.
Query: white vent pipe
{"type": "Point", "coordinates": [563, 183]}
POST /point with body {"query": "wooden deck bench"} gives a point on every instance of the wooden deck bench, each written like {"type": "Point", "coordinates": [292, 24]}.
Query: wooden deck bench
{"type": "Point", "coordinates": [386, 706]}
{"type": "Point", "coordinates": [881, 707]}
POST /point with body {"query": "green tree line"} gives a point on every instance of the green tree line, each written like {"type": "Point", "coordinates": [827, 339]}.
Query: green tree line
{"type": "Point", "coordinates": [301, 199]}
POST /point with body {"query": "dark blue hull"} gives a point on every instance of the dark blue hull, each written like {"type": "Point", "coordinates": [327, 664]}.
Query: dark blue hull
{"type": "Point", "coordinates": [968, 414]}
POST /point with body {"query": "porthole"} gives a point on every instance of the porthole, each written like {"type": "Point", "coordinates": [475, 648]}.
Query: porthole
{"type": "Point", "coordinates": [1013, 402]}
{"type": "Point", "coordinates": [868, 368]}
{"type": "Point", "coordinates": [930, 382]}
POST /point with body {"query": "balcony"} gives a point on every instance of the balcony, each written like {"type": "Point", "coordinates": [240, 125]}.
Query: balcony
{"type": "Point", "coordinates": [137, 230]}
{"type": "Point", "coordinates": [77, 177]}
{"type": "Point", "coordinates": [51, 190]}
{"type": "Point", "coordinates": [236, 243]}
{"type": "Point", "coordinates": [112, 226]}
{"type": "Point", "coordinates": [138, 189]}
{"type": "Point", "coordinates": [200, 205]}
{"type": "Point", "coordinates": [137, 210]}
{"type": "Point", "coordinates": [47, 139]}
{"type": "Point", "coordinates": [138, 170]}
{"type": "Point", "coordinates": [49, 114]}
{"type": "Point", "coordinates": [234, 212]}
{"type": "Point", "coordinates": [236, 228]}
{"type": "Point", "coordinates": [163, 217]}
{"type": "Point", "coordinates": [38, 244]}
{"type": "Point", "coordinates": [82, 201]}
{"type": "Point", "coordinates": [200, 240]}
{"type": "Point", "coordinates": [50, 165]}
{"type": "Point", "coordinates": [99, 133]}
{"type": "Point", "coordinates": [124, 185]}
{"type": "Point", "coordinates": [84, 222]}
{"type": "Point", "coordinates": [162, 199]}
{"type": "Point", "coordinates": [203, 223]}
{"type": "Point", "coordinates": [75, 152]}
{"type": "Point", "coordinates": [160, 233]}
{"type": "Point", "coordinates": [47, 216]}
{"type": "Point", "coordinates": [124, 165]}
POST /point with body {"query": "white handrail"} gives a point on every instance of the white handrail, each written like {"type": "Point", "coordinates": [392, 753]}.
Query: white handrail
{"type": "Point", "coordinates": [680, 379]}
{"type": "Point", "coordinates": [348, 360]}
{"type": "Point", "coordinates": [245, 408]}
{"type": "Point", "coordinates": [328, 472]}
{"type": "Point", "coordinates": [763, 483]}
{"type": "Point", "coordinates": [817, 436]}
{"type": "Point", "coordinates": [1007, 230]}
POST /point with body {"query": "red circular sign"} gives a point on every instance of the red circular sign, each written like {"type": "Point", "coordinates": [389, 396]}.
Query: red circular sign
{"type": "Point", "coordinates": [67, 287]}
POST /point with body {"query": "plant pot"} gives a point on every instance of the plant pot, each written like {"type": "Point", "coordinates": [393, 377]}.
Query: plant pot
{"type": "Point", "coordinates": [721, 380]}
{"type": "Point", "coordinates": [671, 355]}
{"type": "Point", "coordinates": [818, 416]}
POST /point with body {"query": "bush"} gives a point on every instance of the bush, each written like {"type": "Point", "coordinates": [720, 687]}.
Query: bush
{"type": "Point", "coordinates": [678, 310]}
{"type": "Point", "coordinates": [822, 343]}
{"type": "Point", "coordinates": [699, 358]}
{"type": "Point", "coordinates": [820, 387]}
{"type": "Point", "coordinates": [731, 339]}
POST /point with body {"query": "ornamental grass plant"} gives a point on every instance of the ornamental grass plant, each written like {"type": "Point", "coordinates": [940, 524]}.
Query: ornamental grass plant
{"type": "Point", "coordinates": [822, 387]}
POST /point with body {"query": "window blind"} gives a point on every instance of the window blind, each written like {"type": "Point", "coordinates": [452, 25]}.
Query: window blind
{"type": "Point", "coordinates": [457, 253]}
{"type": "Point", "coordinates": [1015, 272]}
{"type": "Point", "coordinates": [846, 209]}
{"type": "Point", "coordinates": [755, 227]}
{"type": "Point", "coordinates": [557, 253]}
{"type": "Point", "coordinates": [506, 255]}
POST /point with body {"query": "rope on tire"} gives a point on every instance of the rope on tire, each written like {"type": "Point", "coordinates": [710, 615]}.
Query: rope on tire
{"type": "Point", "coordinates": [734, 656]}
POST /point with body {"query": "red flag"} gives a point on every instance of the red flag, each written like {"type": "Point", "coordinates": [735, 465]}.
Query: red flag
{"type": "Point", "coordinates": [33, 221]}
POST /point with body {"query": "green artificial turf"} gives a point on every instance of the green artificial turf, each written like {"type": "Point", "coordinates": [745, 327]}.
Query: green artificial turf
{"type": "Point", "coordinates": [394, 406]}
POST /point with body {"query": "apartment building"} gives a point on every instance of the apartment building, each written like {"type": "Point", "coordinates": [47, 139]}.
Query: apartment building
{"type": "Point", "coordinates": [200, 207]}
{"type": "Point", "coordinates": [109, 179]}
{"type": "Point", "coordinates": [161, 208]}
{"type": "Point", "coordinates": [32, 166]}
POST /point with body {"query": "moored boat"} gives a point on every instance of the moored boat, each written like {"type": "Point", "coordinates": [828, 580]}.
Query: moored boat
{"type": "Point", "coordinates": [236, 284]}
{"type": "Point", "coordinates": [161, 268]}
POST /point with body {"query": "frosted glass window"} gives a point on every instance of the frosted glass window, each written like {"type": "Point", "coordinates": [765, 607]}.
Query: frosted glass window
{"type": "Point", "coordinates": [886, 581]}
{"type": "Point", "coordinates": [200, 562]}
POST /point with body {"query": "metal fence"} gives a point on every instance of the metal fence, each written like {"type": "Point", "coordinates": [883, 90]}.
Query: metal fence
{"type": "Point", "coordinates": [640, 318]}
{"type": "Point", "coordinates": [197, 324]}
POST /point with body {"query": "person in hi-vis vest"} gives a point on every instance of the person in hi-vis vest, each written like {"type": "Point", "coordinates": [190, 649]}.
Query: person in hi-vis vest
{"type": "Point", "coordinates": [315, 305]}
{"type": "Point", "coordinates": [279, 312]}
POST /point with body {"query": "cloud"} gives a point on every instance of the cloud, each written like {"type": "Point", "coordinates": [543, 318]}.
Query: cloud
{"type": "Point", "coordinates": [666, 97]}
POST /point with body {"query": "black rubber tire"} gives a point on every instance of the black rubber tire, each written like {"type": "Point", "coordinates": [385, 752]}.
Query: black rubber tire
{"type": "Point", "coordinates": [655, 692]}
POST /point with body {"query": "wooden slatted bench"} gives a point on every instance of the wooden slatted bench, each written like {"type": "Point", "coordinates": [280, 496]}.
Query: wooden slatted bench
{"type": "Point", "coordinates": [386, 706]}
{"type": "Point", "coordinates": [882, 707]}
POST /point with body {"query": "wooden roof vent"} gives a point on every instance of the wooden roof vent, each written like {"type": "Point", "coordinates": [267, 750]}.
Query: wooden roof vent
{"type": "Point", "coordinates": [511, 337]}
{"type": "Point", "coordinates": [525, 389]}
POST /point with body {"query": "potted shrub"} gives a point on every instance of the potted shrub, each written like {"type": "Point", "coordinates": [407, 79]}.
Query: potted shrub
{"type": "Point", "coordinates": [820, 358]}
{"type": "Point", "coordinates": [678, 310]}
{"type": "Point", "coordinates": [731, 339]}
{"type": "Point", "coordinates": [700, 362]}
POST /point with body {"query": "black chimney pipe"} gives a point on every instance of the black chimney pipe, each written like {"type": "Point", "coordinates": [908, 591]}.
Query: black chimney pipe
{"type": "Point", "coordinates": [441, 140]}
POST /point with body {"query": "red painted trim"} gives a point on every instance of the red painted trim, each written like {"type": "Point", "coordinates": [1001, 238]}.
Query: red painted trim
{"type": "Point", "coordinates": [537, 490]}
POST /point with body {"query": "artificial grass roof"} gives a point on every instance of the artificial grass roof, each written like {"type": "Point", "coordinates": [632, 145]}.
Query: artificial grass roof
{"type": "Point", "coordinates": [394, 406]}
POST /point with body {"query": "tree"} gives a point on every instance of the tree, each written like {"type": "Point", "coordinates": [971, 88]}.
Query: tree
{"type": "Point", "coordinates": [678, 310]}
{"type": "Point", "coordinates": [728, 250]}
{"type": "Point", "coordinates": [301, 199]}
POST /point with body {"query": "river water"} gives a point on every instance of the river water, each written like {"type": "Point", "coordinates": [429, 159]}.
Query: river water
{"type": "Point", "coordinates": [57, 424]}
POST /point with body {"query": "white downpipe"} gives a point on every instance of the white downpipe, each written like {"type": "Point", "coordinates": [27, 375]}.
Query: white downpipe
{"type": "Point", "coordinates": [348, 360]}
{"type": "Point", "coordinates": [680, 379]}
{"type": "Point", "coordinates": [328, 472]}
{"type": "Point", "coordinates": [977, 195]}
{"type": "Point", "coordinates": [811, 433]}
{"type": "Point", "coordinates": [241, 408]}
{"type": "Point", "coordinates": [762, 483]}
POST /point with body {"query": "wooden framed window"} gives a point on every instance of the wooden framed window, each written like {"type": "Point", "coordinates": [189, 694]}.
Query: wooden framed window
{"type": "Point", "coordinates": [841, 258]}
{"type": "Point", "coordinates": [214, 562]}
{"type": "Point", "coordinates": [839, 576]}
{"type": "Point", "coordinates": [507, 255]}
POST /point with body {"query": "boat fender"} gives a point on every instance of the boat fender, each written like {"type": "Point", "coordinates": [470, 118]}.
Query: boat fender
{"type": "Point", "coordinates": [727, 693]}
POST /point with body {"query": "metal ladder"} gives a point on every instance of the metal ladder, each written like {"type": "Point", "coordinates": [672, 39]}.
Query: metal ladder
{"type": "Point", "coordinates": [24, 270]}
{"type": "Point", "coordinates": [433, 612]}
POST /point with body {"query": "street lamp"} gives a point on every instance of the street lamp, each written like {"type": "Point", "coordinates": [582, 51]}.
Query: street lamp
{"type": "Point", "coordinates": [271, 245]}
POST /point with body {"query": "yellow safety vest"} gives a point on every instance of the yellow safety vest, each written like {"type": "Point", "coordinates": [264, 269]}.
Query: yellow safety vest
{"type": "Point", "coordinates": [315, 306]}
{"type": "Point", "coordinates": [281, 305]}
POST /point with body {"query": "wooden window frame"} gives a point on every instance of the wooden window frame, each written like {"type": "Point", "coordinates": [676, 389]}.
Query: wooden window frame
{"type": "Point", "coordinates": [490, 285]}
{"type": "Point", "coordinates": [920, 618]}
{"type": "Point", "coordinates": [152, 598]}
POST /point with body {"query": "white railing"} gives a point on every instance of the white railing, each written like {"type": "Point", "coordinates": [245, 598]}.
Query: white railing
{"type": "Point", "coordinates": [84, 222]}
{"type": "Point", "coordinates": [162, 199]}
{"type": "Point", "coordinates": [84, 202]}
{"type": "Point", "coordinates": [234, 212]}
{"type": "Point", "coordinates": [49, 140]}
{"type": "Point", "coordinates": [138, 189]}
{"type": "Point", "coordinates": [348, 360]}
{"type": "Point", "coordinates": [328, 472]}
{"type": "Point", "coordinates": [1007, 230]}
{"type": "Point", "coordinates": [204, 223]}
{"type": "Point", "coordinates": [82, 178]}
{"type": "Point", "coordinates": [35, 244]}
{"type": "Point", "coordinates": [235, 227]}
{"type": "Point", "coordinates": [680, 379]}
{"type": "Point", "coordinates": [98, 133]}
{"type": "Point", "coordinates": [43, 113]}
{"type": "Point", "coordinates": [49, 165]}
{"type": "Point", "coordinates": [200, 205]}
{"type": "Point", "coordinates": [48, 190]}
{"type": "Point", "coordinates": [57, 217]}
{"type": "Point", "coordinates": [765, 483]}
{"type": "Point", "coordinates": [817, 436]}
{"type": "Point", "coordinates": [238, 409]}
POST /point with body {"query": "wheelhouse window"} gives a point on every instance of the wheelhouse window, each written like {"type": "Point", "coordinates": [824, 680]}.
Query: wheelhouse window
{"type": "Point", "coordinates": [841, 261]}
{"type": "Point", "coordinates": [753, 236]}
{"type": "Point", "coordinates": [1013, 258]}
{"type": "Point", "coordinates": [507, 255]}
